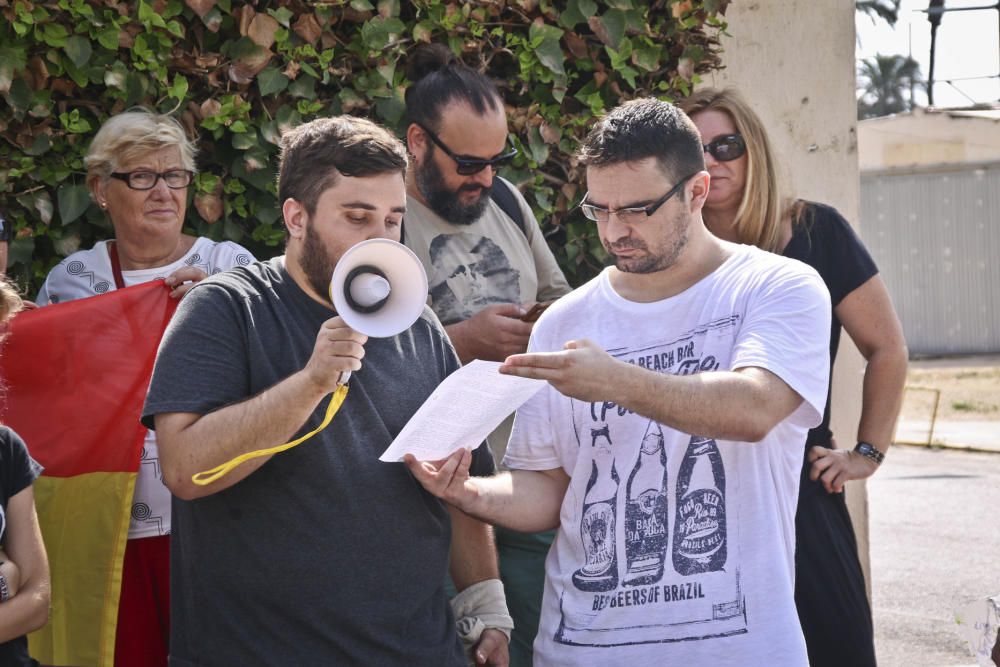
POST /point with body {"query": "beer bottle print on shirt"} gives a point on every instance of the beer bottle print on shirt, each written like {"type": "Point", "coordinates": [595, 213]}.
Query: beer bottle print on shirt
{"type": "Point", "coordinates": [646, 511]}
{"type": "Point", "coordinates": [597, 529]}
{"type": "Point", "coordinates": [700, 523]}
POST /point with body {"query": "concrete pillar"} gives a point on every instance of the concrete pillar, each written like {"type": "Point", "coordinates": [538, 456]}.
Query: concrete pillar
{"type": "Point", "coordinates": [794, 63]}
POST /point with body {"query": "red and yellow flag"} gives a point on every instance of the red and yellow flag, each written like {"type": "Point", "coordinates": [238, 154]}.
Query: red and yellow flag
{"type": "Point", "coordinates": [76, 376]}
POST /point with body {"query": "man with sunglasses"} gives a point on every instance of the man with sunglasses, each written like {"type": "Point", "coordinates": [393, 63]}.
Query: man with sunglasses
{"type": "Point", "coordinates": [666, 446]}
{"type": "Point", "coordinates": [486, 270]}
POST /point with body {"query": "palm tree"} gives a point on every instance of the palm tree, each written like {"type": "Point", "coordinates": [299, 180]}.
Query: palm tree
{"type": "Point", "coordinates": [887, 10]}
{"type": "Point", "coordinates": [887, 83]}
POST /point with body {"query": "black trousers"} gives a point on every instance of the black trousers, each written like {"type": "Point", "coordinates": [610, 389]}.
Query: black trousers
{"type": "Point", "coordinates": [829, 585]}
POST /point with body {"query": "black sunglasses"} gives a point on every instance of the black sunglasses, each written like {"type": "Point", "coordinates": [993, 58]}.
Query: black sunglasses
{"type": "Point", "coordinates": [726, 148]}
{"type": "Point", "coordinates": [465, 165]}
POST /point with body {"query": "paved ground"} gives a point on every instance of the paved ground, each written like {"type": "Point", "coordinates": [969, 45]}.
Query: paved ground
{"type": "Point", "coordinates": [935, 544]}
{"type": "Point", "coordinates": [980, 435]}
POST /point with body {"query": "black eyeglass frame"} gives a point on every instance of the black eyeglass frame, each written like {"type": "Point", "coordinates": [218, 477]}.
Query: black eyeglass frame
{"type": "Point", "coordinates": [590, 211]}
{"type": "Point", "coordinates": [712, 146]}
{"type": "Point", "coordinates": [467, 166]}
{"type": "Point", "coordinates": [127, 177]}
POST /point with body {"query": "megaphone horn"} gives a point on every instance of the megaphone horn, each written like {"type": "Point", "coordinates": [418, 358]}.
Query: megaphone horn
{"type": "Point", "coordinates": [379, 288]}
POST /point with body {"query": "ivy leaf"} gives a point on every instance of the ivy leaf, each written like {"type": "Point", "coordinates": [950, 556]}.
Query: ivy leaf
{"type": "Point", "coordinates": [108, 37]}
{"type": "Point", "coordinates": [388, 71]}
{"type": "Point", "coordinates": [20, 96]}
{"type": "Point", "coordinates": [539, 149]}
{"type": "Point", "coordinates": [179, 89]}
{"type": "Point", "coordinates": [547, 48]}
{"type": "Point", "coordinates": [245, 141]}
{"type": "Point", "coordinates": [43, 206]}
{"type": "Point", "coordinates": [39, 146]}
{"type": "Point", "coordinates": [609, 28]}
{"type": "Point", "coordinates": [73, 201]}
{"type": "Point", "coordinates": [135, 88]}
{"type": "Point", "coordinates": [388, 8]}
{"type": "Point", "coordinates": [11, 60]}
{"type": "Point", "coordinates": [115, 76]}
{"type": "Point", "coordinates": [78, 49]}
{"type": "Point", "coordinates": [233, 231]}
{"type": "Point", "coordinates": [55, 34]}
{"type": "Point", "coordinates": [647, 57]}
{"type": "Point", "coordinates": [271, 81]}
{"type": "Point", "coordinates": [303, 87]}
{"type": "Point", "coordinates": [282, 15]}
{"type": "Point", "coordinates": [149, 17]}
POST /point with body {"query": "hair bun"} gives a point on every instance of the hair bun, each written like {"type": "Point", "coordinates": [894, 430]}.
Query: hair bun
{"type": "Point", "coordinates": [429, 58]}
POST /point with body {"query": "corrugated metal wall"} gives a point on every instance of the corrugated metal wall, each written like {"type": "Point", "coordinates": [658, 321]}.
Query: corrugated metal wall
{"type": "Point", "coordinates": [935, 235]}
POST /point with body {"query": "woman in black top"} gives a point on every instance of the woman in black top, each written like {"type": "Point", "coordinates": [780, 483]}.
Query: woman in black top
{"type": "Point", "coordinates": [745, 205]}
{"type": "Point", "coordinates": [24, 568]}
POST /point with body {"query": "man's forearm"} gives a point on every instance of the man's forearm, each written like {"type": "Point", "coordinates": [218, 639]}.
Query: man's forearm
{"type": "Point", "coordinates": [473, 556]}
{"type": "Point", "coordinates": [741, 406]}
{"type": "Point", "coordinates": [268, 419]}
{"type": "Point", "coordinates": [522, 500]}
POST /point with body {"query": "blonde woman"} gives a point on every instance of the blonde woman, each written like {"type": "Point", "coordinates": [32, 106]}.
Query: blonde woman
{"type": "Point", "coordinates": [24, 568]}
{"type": "Point", "coordinates": [139, 168]}
{"type": "Point", "coordinates": [745, 205]}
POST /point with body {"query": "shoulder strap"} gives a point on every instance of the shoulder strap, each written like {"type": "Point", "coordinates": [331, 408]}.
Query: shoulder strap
{"type": "Point", "coordinates": [503, 195]}
{"type": "Point", "coordinates": [116, 266]}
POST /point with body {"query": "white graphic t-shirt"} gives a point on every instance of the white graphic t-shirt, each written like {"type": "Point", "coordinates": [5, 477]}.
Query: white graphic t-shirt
{"type": "Point", "coordinates": [88, 273]}
{"type": "Point", "coordinates": [675, 548]}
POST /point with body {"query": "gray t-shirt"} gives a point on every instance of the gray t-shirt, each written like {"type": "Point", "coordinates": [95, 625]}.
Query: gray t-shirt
{"type": "Point", "coordinates": [325, 555]}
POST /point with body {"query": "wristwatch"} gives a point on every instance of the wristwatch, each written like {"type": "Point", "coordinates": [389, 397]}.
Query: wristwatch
{"type": "Point", "coordinates": [869, 451]}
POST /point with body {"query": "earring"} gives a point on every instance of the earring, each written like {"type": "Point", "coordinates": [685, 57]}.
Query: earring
{"type": "Point", "coordinates": [104, 204]}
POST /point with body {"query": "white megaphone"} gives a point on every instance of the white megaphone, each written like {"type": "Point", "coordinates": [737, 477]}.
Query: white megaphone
{"type": "Point", "coordinates": [379, 288]}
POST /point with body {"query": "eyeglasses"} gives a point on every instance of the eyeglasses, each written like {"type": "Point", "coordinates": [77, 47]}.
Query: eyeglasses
{"type": "Point", "coordinates": [726, 148]}
{"type": "Point", "coordinates": [176, 179]}
{"type": "Point", "coordinates": [467, 166]}
{"type": "Point", "coordinates": [633, 215]}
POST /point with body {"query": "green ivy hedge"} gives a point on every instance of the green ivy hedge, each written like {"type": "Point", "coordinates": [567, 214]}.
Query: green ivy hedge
{"type": "Point", "coordinates": [237, 74]}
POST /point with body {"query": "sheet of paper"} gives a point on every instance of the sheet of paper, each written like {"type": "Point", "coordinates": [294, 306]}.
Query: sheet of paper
{"type": "Point", "coordinates": [461, 412]}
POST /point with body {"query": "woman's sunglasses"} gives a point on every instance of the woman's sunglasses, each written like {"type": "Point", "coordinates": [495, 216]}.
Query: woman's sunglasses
{"type": "Point", "coordinates": [726, 148]}
{"type": "Point", "coordinates": [467, 166]}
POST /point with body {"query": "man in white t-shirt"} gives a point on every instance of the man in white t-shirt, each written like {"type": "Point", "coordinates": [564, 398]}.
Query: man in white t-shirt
{"type": "Point", "coordinates": [667, 444]}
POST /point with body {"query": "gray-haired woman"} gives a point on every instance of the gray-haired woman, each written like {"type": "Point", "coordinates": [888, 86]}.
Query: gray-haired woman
{"type": "Point", "coordinates": [139, 168]}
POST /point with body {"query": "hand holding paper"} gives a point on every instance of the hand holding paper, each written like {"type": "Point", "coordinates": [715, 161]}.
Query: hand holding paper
{"type": "Point", "coordinates": [448, 479]}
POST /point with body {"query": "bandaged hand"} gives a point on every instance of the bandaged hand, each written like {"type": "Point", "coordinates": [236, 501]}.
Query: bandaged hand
{"type": "Point", "coordinates": [479, 608]}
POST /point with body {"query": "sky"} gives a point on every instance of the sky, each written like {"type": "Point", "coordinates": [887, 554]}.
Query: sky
{"type": "Point", "coordinates": [967, 46]}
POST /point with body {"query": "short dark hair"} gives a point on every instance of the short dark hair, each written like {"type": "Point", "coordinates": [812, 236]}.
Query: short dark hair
{"type": "Point", "coordinates": [645, 128]}
{"type": "Point", "coordinates": [313, 155]}
{"type": "Point", "coordinates": [438, 78]}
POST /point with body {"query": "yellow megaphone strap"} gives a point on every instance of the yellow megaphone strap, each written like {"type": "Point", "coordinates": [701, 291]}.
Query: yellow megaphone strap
{"type": "Point", "coordinates": [209, 476]}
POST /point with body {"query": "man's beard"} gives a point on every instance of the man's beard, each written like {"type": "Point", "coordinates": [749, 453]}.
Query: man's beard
{"type": "Point", "coordinates": [316, 263]}
{"type": "Point", "coordinates": [652, 263]}
{"type": "Point", "coordinates": [445, 202]}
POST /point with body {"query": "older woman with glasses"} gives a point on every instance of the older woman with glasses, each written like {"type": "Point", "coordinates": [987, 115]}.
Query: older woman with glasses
{"type": "Point", "coordinates": [139, 168]}
{"type": "Point", "coordinates": [745, 205]}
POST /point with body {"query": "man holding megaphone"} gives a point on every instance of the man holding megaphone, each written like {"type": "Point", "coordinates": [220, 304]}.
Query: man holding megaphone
{"type": "Point", "coordinates": [320, 554]}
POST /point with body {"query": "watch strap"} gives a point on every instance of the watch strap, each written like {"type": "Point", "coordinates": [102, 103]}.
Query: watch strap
{"type": "Point", "coordinates": [869, 451]}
